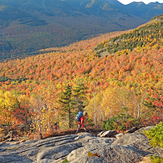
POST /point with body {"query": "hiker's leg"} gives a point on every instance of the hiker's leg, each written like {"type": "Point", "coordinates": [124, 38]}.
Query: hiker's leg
{"type": "Point", "coordinates": [79, 125]}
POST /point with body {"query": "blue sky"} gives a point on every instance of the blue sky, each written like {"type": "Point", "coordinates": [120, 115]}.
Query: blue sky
{"type": "Point", "coordinates": [145, 1]}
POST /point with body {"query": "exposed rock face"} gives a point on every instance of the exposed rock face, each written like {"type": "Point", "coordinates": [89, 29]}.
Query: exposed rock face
{"type": "Point", "coordinates": [130, 147]}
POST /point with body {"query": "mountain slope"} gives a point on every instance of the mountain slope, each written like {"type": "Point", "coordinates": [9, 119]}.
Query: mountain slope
{"type": "Point", "coordinates": [143, 40]}
{"type": "Point", "coordinates": [29, 25]}
{"type": "Point", "coordinates": [136, 38]}
{"type": "Point", "coordinates": [123, 82]}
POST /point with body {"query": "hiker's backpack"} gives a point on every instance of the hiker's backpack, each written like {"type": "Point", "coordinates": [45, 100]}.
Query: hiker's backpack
{"type": "Point", "coordinates": [78, 116]}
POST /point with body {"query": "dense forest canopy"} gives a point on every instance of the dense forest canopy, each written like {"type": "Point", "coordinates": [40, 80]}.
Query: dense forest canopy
{"type": "Point", "coordinates": [29, 25]}
{"type": "Point", "coordinates": [128, 81]}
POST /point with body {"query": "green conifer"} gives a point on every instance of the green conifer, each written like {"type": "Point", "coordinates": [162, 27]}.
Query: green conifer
{"type": "Point", "coordinates": [67, 102]}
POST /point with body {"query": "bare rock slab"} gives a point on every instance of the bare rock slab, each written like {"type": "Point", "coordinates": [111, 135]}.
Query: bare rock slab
{"type": "Point", "coordinates": [108, 154]}
{"type": "Point", "coordinates": [58, 151]}
{"type": "Point", "coordinates": [131, 147]}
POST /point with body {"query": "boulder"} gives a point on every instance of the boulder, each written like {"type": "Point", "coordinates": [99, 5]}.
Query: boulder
{"type": "Point", "coordinates": [110, 133]}
{"type": "Point", "coordinates": [131, 130]}
{"type": "Point", "coordinates": [118, 136]}
{"type": "Point", "coordinates": [99, 134]}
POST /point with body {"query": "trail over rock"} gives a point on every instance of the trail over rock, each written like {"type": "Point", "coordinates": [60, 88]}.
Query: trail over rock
{"type": "Point", "coordinates": [131, 147]}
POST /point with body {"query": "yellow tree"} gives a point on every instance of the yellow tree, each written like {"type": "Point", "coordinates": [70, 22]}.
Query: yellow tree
{"type": "Point", "coordinates": [115, 98]}
{"type": "Point", "coordinates": [50, 97]}
{"type": "Point", "coordinates": [110, 103]}
{"type": "Point", "coordinates": [94, 109]}
{"type": "Point", "coordinates": [8, 103]}
{"type": "Point", "coordinates": [45, 109]}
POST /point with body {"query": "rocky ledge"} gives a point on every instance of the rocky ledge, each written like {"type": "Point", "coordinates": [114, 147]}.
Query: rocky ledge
{"type": "Point", "coordinates": [80, 148]}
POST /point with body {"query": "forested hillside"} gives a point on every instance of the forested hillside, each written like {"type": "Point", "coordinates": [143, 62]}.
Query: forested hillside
{"type": "Point", "coordinates": [140, 37]}
{"type": "Point", "coordinates": [127, 83]}
{"type": "Point", "coordinates": [29, 25]}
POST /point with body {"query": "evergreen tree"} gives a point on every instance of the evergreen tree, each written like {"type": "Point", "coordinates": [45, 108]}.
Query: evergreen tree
{"type": "Point", "coordinates": [79, 94]}
{"type": "Point", "coordinates": [66, 99]}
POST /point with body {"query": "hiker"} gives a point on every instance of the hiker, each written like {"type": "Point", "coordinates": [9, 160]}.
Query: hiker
{"type": "Point", "coordinates": [80, 119]}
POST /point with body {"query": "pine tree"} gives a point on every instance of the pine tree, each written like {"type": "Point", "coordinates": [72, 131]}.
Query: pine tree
{"type": "Point", "coordinates": [79, 94]}
{"type": "Point", "coordinates": [67, 102]}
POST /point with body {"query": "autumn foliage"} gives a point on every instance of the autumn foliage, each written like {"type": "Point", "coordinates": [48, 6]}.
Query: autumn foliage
{"type": "Point", "coordinates": [31, 87]}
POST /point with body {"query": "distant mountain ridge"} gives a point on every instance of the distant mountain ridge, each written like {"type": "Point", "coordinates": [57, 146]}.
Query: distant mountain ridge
{"type": "Point", "coordinates": [29, 25]}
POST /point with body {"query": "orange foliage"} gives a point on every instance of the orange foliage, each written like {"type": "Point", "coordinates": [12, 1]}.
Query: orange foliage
{"type": "Point", "coordinates": [143, 68]}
